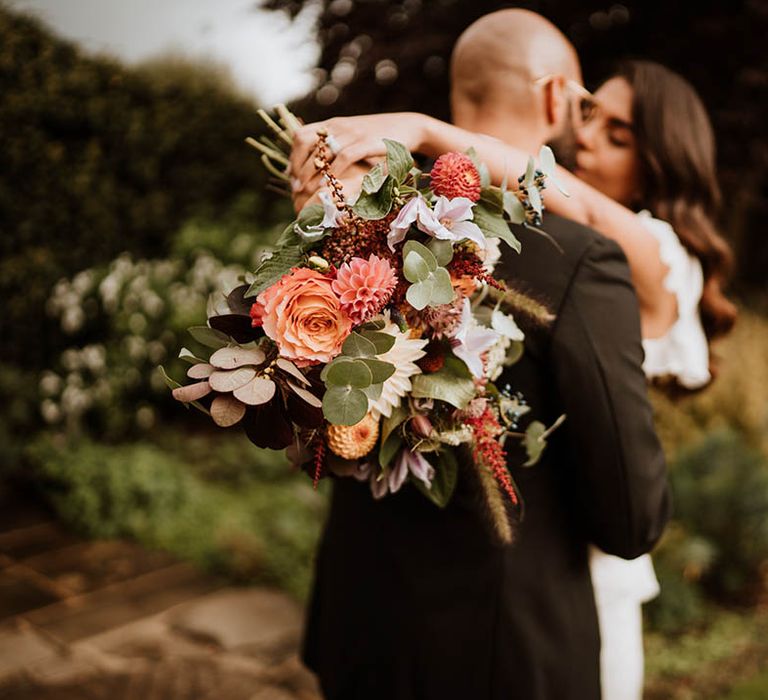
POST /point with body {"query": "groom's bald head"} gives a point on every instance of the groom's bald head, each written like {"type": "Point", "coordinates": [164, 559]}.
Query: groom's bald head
{"type": "Point", "coordinates": [496, 60]}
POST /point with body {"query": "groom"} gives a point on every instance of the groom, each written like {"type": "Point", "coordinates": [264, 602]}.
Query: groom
{"type": "Point", "coordinates": [412, 602]}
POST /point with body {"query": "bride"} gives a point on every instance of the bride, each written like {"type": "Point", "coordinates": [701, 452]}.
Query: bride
{"type": "Point", "coordinates": [644, 175]}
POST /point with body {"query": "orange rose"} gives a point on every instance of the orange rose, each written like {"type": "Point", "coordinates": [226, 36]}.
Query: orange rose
{"type": "Point", "coordinates": [303, 315]}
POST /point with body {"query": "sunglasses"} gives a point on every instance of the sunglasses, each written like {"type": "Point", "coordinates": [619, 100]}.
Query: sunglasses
{"type": "Point", "coordinates": [587, 106]}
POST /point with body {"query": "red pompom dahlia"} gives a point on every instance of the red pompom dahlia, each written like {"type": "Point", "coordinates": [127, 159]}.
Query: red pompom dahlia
{"type": "Point", "coordinates": [455, 175]}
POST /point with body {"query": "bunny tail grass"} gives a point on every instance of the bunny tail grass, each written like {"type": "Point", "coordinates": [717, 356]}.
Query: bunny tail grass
{"type": "Point", "coordinates": [494, 499]}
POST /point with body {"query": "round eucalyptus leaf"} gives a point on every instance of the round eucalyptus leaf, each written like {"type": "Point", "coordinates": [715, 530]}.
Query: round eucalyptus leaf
{"type": "Point", "coordinates": [420, 294]}
{"type": "Point", "coordinates": [442, 292]}
{"type": "Point", "coordinates": [226, 410]}
{"type": "Point", "coordinates": [415, 268]}
{"type": "Point", "coordinates": [192, 392]}
{"type": "Point", "coordinates": [293, 370]}
{"type": "Point", "coordinates": [233, 357]}
{"type": "Point", "coordinates": [229, 380]}
{"type": "Point", "coordinates": [349, 373]}
{"type": "Point", "coordinates": [344, 405]}
{"type": "Point", "coordinates": [202, 370]}
{"type": "Point", "coordinates": [256, 392]}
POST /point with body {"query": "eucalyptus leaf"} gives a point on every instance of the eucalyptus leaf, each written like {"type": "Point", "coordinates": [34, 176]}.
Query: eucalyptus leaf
{"type": "Point", "coordinates": [192, 392]}
{"type": "Point", "coordinates": [231, 379]}
{"type": "Point", "coordinates": [415, 268]}
{"type": "Point", "coordinates": [237, 356]}
{"type": "Point", "coordinates": [380, 370]}
{"type": "Point", "coordinates": [272, 269]}
{"type": "Point", "coordinates": [293, 370]}
{"type": "Point", "coordinates": [307, 396]}
{"type": "Point", "coordinates": [344, 405]}
{"type": "Point", "coordinates": [442, 291]}
{"type": "Point", "coordinates": [226, 411]}
{"type": "Point", "coordinates": [173, 384]}
{"type": "Point", "coordinates": [374, 179]}
{"type": "Point", "coordinates": [201, 370]}
{"type": "Point", "coordinates": [534, 442]}
{"type": "Point", "coordinates": [373, 392]}
{"type": "Point", "coordinates": [420, 294]}
{"type": "Point", "coordinates": [412, 246]}
{"type": "Point", "coordinates": [358, 346]}
{"type": "Point", "coordinates": [209, 337]}
{"type": "Point", "coordinates": [258, 391]}
{"type": "Point", "coordinates": [399, 160]}
{"type": "Point", "coordinates": [349, 372]}
{"type": "Point", "coordinates": [376, 325]}
{"type": "Point", "coordinates": [442, 250]}
{"type": "Point", "coordinates": [384, 342]}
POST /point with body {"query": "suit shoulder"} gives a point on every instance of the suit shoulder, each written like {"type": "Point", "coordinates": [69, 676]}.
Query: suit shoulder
{"type": "Point", "coordinates": [548, 261]}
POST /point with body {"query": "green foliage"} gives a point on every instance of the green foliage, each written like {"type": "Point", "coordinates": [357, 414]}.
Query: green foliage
{"type": "Point", "coordinates": [222, 503]}
{"type": "Point", "coordinates": [99, 159]}
{"type": "Point", "coordinates": [721, 494]}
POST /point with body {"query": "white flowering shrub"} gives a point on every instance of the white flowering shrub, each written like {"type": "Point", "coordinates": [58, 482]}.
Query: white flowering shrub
{"type": "Point", "coordinates": [125, 319]}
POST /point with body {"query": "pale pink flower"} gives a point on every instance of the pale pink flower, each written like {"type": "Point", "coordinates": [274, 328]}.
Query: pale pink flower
{"type": "Point", "coordinates": [364, 287]}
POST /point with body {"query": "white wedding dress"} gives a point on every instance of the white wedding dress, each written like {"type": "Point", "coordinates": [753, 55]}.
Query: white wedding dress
{"type": "Point", "coordinates": [622, 586]}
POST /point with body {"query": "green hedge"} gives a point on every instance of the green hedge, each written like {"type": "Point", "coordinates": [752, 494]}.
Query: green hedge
{"type": "Point", "coordinates": [99, 159]}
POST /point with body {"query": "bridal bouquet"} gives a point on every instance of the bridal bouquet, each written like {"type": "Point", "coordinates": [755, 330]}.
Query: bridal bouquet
{"type": "Point", "coordinates": [369, 340]}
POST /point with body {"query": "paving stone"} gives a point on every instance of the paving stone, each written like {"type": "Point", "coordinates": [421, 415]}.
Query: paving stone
{"type": "Point", "coordinates": [25, 542]}
{"type": "Point", "coordinates": [119, 604]}
{"type": "Point", "coordinates": [252, 620]}
{"type": "Point", "coordinates": [87, 566]}
{"type": "Point", "coordinates": [21, 646]}
{"type": "Point", "coordinates": [18, 595]}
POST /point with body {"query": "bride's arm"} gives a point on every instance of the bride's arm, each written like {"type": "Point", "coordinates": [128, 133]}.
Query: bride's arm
{"type": "Point", "coordinates": [361, 137]}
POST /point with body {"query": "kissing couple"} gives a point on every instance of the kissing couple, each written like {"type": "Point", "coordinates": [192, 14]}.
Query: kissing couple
{"type": "Point", "coordinates": [414, 602]}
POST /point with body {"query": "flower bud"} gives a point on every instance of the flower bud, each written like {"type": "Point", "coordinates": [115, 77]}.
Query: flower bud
{"type": "Point", "coordinates": [318, 263]}
{"type": "Point", "coordinates": [422, 426]}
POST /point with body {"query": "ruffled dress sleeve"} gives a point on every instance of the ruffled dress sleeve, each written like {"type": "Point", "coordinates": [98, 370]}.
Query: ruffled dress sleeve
{"type": "Point", "coordinates": [683, 351]}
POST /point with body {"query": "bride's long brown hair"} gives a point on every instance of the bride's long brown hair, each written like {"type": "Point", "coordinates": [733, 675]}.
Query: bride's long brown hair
{"type": "Point", "coordinates": [676, 148]}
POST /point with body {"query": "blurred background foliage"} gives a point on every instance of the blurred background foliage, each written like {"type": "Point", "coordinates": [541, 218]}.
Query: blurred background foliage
{"type": "Point", "coordinates": [128, 198]}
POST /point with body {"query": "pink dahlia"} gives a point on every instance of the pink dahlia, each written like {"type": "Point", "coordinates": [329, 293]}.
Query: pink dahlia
{"type": "Point", "coordinates": [364, 287]}
{"type": "Point", "coordinates": [455, 175]}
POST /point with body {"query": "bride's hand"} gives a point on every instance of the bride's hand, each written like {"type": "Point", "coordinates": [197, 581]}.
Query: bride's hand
{"type": "Point", "coordinates": [351, 182]}
{"type": "Point", "coordinates": [354, 139]}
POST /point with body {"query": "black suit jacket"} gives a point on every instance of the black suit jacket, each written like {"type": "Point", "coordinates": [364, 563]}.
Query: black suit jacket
{"type": "Point", "coordinates": [412, 602]}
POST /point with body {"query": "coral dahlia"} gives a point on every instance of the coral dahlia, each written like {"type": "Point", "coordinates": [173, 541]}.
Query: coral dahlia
{"type": "Point", "coordinates": [364, 287]}
{"type": "Point", "coordinates": [455, 175]}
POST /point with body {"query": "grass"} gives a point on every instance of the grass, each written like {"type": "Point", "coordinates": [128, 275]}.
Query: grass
{"type": "Point", "coordinates": [722, 661]}
{"type": "Point", "coordinates": [217, 501]}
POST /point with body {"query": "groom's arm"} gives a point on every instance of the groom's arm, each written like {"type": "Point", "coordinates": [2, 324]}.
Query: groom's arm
{"type": "Point", "coordinates": [597, 356]}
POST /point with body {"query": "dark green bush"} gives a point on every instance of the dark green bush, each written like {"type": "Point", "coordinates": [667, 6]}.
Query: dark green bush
{"type": "Point", "coordinates": [721, 495]}
{"type": "Point", "coordinates": [99, 159]}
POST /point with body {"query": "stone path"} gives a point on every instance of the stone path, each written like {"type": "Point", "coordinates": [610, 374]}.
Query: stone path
{"type": "Point", "coordinates": [93, 620]}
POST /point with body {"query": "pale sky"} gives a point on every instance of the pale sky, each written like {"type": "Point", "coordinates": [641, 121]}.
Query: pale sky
{"type": "Point", "coordinates": [270, 57]}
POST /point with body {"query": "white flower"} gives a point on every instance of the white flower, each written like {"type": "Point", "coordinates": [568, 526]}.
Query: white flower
{"type": "Point", "coordinates": [505, 324]}
{"type": "Point", "coordinates": [450, 221]}
{"type": "Point", "coordinates": [403, 355]}
{"type": "Point", "coordinates": [472, 340]}
{"type": "Point", "coordinates": [494, 360]}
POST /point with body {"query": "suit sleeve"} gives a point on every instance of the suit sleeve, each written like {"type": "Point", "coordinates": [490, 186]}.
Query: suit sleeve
{"type": "Point", "coordinates": [620, 476]}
